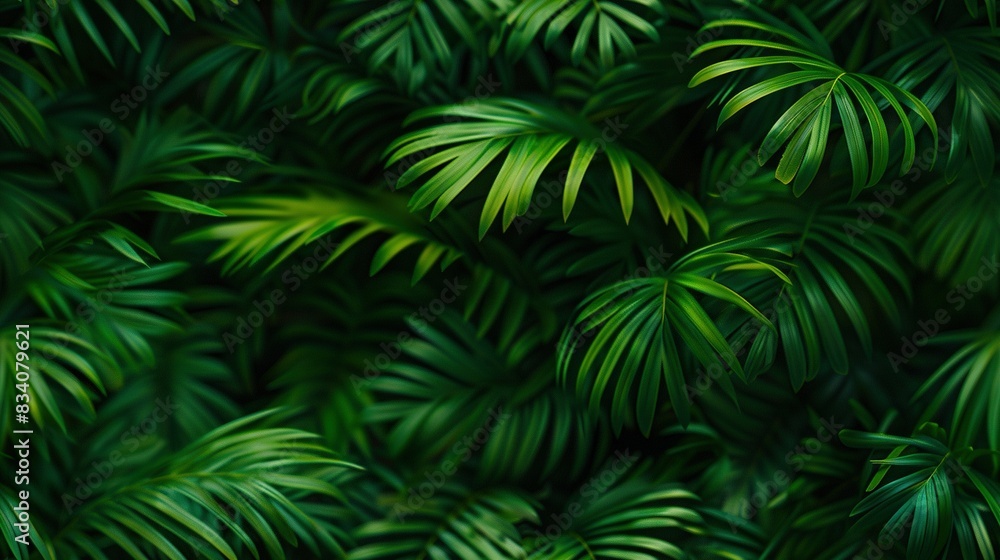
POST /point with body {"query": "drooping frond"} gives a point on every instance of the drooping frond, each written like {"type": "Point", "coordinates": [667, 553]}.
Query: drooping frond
{"type": "Point", "coordinates": [532, 136]}
{"type": "Point", "coordinates": [971, 379]}
{"type": "Point", "coordinates": [455, 521]}
{"type": "Point", "coordinates": [836, 257]}
{"type": "Point", "coordinates": [955, 65]}
{"type": "Point", "coordinates": [270, 230]}
{"type": "Point", "coordinates": [177, 512]}
{"type": "Point", "coordinates": [934, 491]}
{"type": "Point", "coordinates": [804, 128]}
{"type": "Point", "coordinates": [614, 23]}
{"type": "Point", "coordinates": [642, 325]}
{"type": "Point", "coordinates": [956, 229]}
{"type": "Point", "coordinates": [632, 520]}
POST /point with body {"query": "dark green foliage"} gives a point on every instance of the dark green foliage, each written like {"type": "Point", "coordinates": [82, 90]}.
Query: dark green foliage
{"type": "Point", "coordinates": [271, 316]}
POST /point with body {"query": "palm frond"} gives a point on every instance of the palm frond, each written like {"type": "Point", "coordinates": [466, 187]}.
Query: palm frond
{"type": "Point", "coordinates": [110, 21]}
{"type": "Point", "coordinates": [105, 298]}
{"type": "Point", "coordinates": [805, 126]}
{"type": "Point", "coordinates": [641, 325]}
{"type": "Point", "coordinates": [18, 106]}
{"type": "Point", "coordinates": [177, 512]}
{"type": "Point", "coordinates": [834, 257]}
{"type": "Point", "coordinates": [238, 63]}
{"type": "Point", "coordinates": [634, 520]}
{"type": "Point", "coordinates": [408, 39]}
{"type": "Point", "coordinates": [941, 496]}
{"type": "Point", "coordinates": [974, 371]}
{"type": "Point", "coordinates": [953, 70]}
{"type": "Point", "coordinates": [273, 229]}
{"type": "Point", "coordinates": [64, 364]}
{"type": "Point", "coordinates": [973, 7]}
{"type": "Point", "coordinates": [431, 396]}
{"type": "Point", "coordinates": [534, 136]}
{"type": "Point", "coordinates": [27, 220]}
{"type": "Point", "coordinates": [454, 522]}
{"type": "Point", "coordinates": [955, 229]}
{"type": "Point", "coordinates": [613, 21]}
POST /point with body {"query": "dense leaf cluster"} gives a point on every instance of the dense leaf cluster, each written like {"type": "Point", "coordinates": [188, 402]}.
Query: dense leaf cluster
{"type": "Point", "coordinates": [463, 279]}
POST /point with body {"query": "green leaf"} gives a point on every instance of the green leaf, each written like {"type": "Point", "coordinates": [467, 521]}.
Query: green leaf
{"type": "Point", "coordinates": [182, 204]}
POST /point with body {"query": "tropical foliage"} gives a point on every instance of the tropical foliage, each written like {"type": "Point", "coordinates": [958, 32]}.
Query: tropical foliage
{"type": "Point", "coordinates": [463, 279]}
